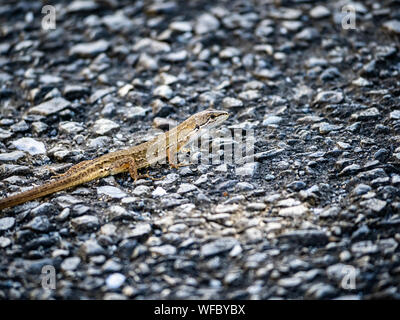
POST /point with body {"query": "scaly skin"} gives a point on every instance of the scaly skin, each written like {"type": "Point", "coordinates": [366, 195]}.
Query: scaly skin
{"type": "Point", "coordinates": [128, 160]}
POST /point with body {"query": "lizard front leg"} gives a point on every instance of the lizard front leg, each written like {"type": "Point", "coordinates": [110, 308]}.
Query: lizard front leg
{"type": "Point", "coordinates": [133, 169]}
{"type": "Point", "coordinates": [171, 160]}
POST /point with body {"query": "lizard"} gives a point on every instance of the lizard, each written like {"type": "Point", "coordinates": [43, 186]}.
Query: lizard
{"type": "Point", "coordinates": [161, 148]}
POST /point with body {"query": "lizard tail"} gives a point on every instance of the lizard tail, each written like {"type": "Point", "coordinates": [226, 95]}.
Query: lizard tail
{"type": "Point", "coordinates": [37, 192]}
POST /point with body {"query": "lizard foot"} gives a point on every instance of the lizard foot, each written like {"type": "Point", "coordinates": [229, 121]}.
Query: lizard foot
{"type": "Point", "coordinates": [182, 164]}
{"type": "Point", "coordinates": [146, 175]}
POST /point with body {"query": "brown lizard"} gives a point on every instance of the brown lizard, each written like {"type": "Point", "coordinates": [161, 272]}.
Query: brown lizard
{"type": "Point", "coordinates": [128, 160]}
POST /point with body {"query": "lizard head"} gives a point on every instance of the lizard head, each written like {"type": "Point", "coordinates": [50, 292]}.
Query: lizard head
{"type": "Point", "coordinates": [209, 119]}
{"type": "Point", "coordinates": [200, 123]}
{"type": "Point", "coordinates": [193, 127]}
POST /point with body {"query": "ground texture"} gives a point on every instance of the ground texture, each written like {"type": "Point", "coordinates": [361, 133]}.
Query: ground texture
{"type": "Point", "coordinates": [316, 213]}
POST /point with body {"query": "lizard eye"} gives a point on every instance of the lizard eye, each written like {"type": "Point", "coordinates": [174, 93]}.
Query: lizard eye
{"type": "Point", "coordinates": [212, 116]}
{"type": "Point", "coordinates": [197, 127]}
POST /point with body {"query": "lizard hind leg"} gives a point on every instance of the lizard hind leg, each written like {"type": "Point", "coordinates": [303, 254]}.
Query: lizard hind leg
{"type": "Point", "coordinates": [54, 174]}
{"type": "Point", "coordinates": [134, 172]}
{"type": "Point", "coordinates": [147, 175]}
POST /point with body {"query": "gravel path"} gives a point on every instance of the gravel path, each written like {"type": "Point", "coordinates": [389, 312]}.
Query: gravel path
{"type": "Point", "coordinates": [314, 215]}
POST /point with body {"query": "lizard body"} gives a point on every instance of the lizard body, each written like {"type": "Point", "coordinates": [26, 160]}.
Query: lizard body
{"type": "Point", "coordinates": [127, 160]}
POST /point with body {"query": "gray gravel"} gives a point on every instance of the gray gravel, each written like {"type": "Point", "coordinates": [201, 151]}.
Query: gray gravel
{"type": "Point", "coordinates": [315, 215]}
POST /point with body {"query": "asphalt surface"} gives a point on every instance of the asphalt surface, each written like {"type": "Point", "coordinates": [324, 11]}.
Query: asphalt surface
{"type": "Point", "coordinates": [314, 214]}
